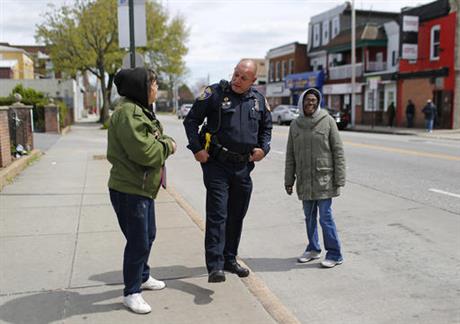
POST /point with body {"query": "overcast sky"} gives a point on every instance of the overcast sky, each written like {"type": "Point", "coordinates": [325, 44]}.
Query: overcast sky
{"type": "Point", "coordinates": [221, 31]}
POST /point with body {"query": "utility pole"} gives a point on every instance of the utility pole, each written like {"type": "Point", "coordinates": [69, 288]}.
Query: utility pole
{"type": "Point", "coordinates": [353, 63]}
{"type": "Point", "coordinates": [132, 46]}
{"type": "Point", "coordinates": [455, 6]}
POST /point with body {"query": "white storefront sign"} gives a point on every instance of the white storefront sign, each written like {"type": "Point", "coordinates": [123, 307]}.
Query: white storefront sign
{"type": "Point", "coordinates": [341, 88]}
{"type": "Point", "coordinates": [410, 24]}
{"type": "Point", "coordinates": [277, 90]}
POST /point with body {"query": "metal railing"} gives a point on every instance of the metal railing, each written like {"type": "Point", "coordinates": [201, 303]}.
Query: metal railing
{"type": "Point", "coordinates": [344, 71]}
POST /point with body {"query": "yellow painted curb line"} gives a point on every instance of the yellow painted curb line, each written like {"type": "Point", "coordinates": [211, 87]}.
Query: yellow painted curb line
{"type": "Point", "coordinates": [256, 285]}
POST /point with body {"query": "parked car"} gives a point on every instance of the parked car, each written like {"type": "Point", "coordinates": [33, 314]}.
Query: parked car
{"type": "Point", "coordinates": [342, 118]}
{"type": "Point", "coordinates": [284, 114]}
{"type": "Point", "coordinates": [183, 110]}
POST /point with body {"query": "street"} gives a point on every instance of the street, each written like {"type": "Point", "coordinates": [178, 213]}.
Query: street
{"type": "Point", "coordinates": [398, 221]}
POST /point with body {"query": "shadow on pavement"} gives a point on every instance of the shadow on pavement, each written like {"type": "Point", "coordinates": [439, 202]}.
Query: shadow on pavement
{"type": "Point", "coordinates": [53, 306]}
{"type": "Point", "coordinates": [173, 276]}
{"type": "Point", "coordinates": [280, 264]}
{"type": "Point", "coordinates": [50, 306]}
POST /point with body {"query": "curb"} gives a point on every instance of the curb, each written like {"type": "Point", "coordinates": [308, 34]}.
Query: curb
{"type": "Point", "coordinates": [274, 307]}
{"type": "Point", "coordinates": [10, 172]}
{"type": "Point", "coordinates": [377, 131]}
{"type": "Point", "coordinates": [65, 130]}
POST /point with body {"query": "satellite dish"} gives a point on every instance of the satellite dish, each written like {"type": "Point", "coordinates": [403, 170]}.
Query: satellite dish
{"type": "Point", "coordinates": [139, 61]}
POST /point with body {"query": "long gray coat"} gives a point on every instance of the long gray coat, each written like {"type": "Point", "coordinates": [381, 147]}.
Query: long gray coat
{"type": "Point", "coordinates": [314, 156]}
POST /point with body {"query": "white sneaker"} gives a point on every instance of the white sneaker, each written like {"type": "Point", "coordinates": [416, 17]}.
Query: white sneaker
{"type": "Point", "coordinates": [153, 284]}
{"type": "Point", "coordinates": [308, 256]}
{"type": "Point", "coordinates": [330, 263]}
{"type": "Point", "coordinates": [137, 304]}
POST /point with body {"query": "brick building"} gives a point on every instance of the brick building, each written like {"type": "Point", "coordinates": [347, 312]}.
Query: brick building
{"type": "Point", "coordinates": [431, 73]}
{"type": "Point", "coordinates": [283, 61]}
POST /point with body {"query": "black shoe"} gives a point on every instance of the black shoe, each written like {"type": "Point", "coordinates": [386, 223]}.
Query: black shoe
{"type": "Point", "coordinates": [216, 276]}
{"type": "Point", "coordinates": [234, 267]}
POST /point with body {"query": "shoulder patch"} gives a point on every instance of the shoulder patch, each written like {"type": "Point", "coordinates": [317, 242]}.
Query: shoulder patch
{"type": "Point", "coordinates": [205, 94]}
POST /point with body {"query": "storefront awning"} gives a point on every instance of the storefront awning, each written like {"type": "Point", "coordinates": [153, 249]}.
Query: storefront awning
{"type": "Point", "coordinates": [302, 81]}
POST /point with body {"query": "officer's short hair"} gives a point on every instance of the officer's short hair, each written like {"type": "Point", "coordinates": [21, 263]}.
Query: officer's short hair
{"type": "Point", "coordinates": [249, 60]}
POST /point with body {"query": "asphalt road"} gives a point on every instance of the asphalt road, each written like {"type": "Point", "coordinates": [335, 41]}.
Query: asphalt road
{"type": "Point", "coordinates": [398, 219]}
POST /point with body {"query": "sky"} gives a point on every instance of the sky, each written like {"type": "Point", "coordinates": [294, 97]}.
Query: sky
{"type": "Point", "coordinates": [221, 31]}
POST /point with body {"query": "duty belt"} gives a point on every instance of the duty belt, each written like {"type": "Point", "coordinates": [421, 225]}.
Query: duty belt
{"type": "Point", "coordinates": [223, 154]}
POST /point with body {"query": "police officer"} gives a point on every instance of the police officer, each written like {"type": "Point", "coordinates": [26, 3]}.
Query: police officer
{"type": "Point", "coordinates": [236, 134]}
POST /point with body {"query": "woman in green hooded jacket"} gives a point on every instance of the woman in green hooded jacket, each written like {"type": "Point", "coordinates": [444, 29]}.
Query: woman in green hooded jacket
{"type": "Point", "coordinates": [137, 150]}
{"type": "Point", "coordinates": [315, 162]}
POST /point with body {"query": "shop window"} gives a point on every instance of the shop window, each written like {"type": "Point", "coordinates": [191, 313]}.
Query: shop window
{"type": "Point", "coordinates": [370, 101]}
{"type": "Point", "coordinates": [435, 42]}
{"type": "Point", "coordinates": [381, 100]}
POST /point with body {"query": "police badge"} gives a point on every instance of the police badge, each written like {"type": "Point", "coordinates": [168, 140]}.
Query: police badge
{"type": "Point", "coordinates": [226, 103]}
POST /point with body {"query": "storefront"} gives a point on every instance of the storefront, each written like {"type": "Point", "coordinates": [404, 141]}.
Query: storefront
{"type": "Point", "coordinates": [277, 94]}
{"type": "Point", "coordinates": [299, 82]}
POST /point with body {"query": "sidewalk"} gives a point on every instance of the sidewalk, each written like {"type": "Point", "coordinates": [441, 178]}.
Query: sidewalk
{"type": "Point", "coordinates": [449, 134]}
{"type": "Point", "coordinates": [61, 249]}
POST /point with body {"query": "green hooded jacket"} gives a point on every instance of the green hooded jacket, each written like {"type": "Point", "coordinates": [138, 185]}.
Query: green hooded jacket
{"type": "Point", "coordinates": [315, 158]}
{"type": "Point", "coordinates": [137, 147]}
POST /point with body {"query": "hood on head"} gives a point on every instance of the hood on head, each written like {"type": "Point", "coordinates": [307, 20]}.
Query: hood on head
{"type": "Point", "coordinates": [302, 96]}
{"type": "Point", "coordinates": [133, 84]}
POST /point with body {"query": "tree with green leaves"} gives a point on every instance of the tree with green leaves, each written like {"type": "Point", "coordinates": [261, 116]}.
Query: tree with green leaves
{"type": "Point", "coordinates": [84, 37]}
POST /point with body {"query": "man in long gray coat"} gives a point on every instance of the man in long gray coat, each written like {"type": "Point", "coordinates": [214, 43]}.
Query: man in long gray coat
{"type": "Point", "coordinates": [315, 159]}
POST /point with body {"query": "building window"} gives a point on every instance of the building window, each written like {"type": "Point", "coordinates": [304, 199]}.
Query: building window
{"type": "Point", "coordinates": [435, 42]}
{"type": "Point", "coordinates": [325, 32]}
{"type": "Point", "coordinates": [278, 71]}
{"type": "Point", "coordinates": [291, 66]}
{"type": "Point", "coordinates": [381, 100]}
{"type": "Point", "coordinates": [271, 72]}
{"type": "Point", "coordinates": [393, 58]}
{"type": "Point", "coordinates": [316, 35]}
{"type": "Point", "coordinates": [285, 69]}
{"type": "Point", "coordinates": [335, 27]}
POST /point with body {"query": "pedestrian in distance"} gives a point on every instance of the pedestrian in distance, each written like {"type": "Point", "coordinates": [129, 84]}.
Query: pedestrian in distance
{"type": "Point", "coordinates": [237, 134]}
{"type": "Point", "coordinates": [137, 150]}
{"type": "Point", "coordinates": [315, 162]}
{"type": "Point", "coordinates": [391, 111]}
{"type": "Point", "coordinates": [430, 112]}
{"type": "Point", "coordinates": [410, 113]}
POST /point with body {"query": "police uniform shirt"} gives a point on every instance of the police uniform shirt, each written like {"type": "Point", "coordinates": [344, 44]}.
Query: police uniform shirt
{"type": "Point", "coordinates": [244, 122]}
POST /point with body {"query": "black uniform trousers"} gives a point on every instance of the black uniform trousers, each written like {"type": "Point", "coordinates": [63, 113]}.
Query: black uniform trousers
{"type": "Point", "coordinates": [228, 192]}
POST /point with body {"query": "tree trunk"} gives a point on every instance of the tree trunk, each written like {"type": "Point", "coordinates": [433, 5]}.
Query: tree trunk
{"type": "Point", "coordinates": [105, 96]}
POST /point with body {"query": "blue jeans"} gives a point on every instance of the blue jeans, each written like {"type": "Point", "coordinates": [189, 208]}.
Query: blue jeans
{"type": "Point", "coordinates": [136, 217]}
{"type": "Point", "coordinates": [429, 124]}
{"type": "Point", "coordinates": [331, 239]}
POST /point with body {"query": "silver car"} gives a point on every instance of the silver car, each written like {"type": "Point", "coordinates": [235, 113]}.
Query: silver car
{"type": "Point", "coordinates": [284, 114]}
{"type": "Point", "coordinates": [183, 110]}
